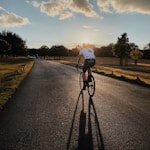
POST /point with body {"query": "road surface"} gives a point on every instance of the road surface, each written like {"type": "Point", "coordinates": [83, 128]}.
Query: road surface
{"type": "Point", "coordinates": [50, 112]}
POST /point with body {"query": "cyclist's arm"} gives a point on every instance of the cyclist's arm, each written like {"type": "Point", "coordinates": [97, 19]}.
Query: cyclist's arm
{"type": "Point", "coordinates": [79, 58]}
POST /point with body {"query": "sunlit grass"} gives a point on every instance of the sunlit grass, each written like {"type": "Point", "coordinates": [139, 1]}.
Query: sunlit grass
{"type": "Point", "coordinates": [109, 66]}
{"type": "Point", "coordinates": [145, 80]}
{"type": "Point", "coordinates": [126, 74]}
{"type": "Point", "coordinates": [12, 73]}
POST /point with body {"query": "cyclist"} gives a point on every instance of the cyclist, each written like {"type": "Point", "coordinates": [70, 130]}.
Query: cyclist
{"type": "Point", "coordinates": [87, 54]}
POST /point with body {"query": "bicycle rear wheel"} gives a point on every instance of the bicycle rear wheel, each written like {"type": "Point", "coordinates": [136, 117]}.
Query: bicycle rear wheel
{"type": "Point", "coordinates": [81, 83]}
{"type": "Point", "coordinates": [91, 86]}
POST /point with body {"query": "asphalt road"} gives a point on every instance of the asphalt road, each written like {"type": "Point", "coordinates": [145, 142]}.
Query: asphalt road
{"type": "Point", "coordinates": [49, 112]}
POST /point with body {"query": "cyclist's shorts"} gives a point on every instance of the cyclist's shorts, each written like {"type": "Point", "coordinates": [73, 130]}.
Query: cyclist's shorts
{"type": "Point", "coordinates": [88, 63]}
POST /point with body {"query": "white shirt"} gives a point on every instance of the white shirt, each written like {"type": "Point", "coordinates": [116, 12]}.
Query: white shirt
{"type": "Point", "coordinates": [87, 53]}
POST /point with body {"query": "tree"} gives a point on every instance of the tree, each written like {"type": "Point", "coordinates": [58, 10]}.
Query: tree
{"type": "Point", "coordinates": [136, 54]}
{"type": "Point", "coordinates": [4, 47]}
{"type": "Point", "coordinates": [121, 48]}
{"type": "Point", "coordinates": [44, 51]}
{"type": "Point", "coordinates": [59, 51]}
{"type": "Point", "coordinates": [146, 51]}
{"type": "Point", "coordinates": [18, 46]}
{"type": "Point", "coordinates": [74, 52]}
{"type": "Point", "coordinates": [32, 52]}
{"type": "Point", "coordinates": [147, 47]}
{"type": "Point", "coordinates": [104, 51]}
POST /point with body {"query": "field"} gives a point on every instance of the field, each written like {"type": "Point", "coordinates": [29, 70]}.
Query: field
{"type": "Point", "coordinates": [143, 65]}
{"type": "Point", "coordinates": [12, 72]}
{"type": "Point", "coordinates": [139, 73]}
{"type": "Point", "coordinates": [105, 61]}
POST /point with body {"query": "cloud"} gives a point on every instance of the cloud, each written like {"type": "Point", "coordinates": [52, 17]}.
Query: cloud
{"type": "Point", "coordinates": [35, 3]}
{"type": "Point", "coordinates": [84, 7]}
{"type": "Point", "coordinates": [64, 9]}
{"type": "Point", "coordinates": [27, 1]}
{"type": "Point", "coordinates": [105, 5]}
{"type": "Point", "coordinates": [8, 19]}
{"type": "Point", "coordinates": [1, 8]}
{"type": "Point", "coordinates": [66, 15]}
{"type": "Point", "coordinates": [138, 6]}
{"type": "Point", "coordinates": [51, 8]}
{"type": "Point", "coordinates": [86, 27]}
{"type": "Point", "coordinates": [54, 8]}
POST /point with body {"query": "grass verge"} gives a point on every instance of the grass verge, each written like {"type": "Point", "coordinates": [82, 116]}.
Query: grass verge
{"type": "Point", "coordinates": [133, 74]}
{"type": "Point", "coordinates": [12, 73]}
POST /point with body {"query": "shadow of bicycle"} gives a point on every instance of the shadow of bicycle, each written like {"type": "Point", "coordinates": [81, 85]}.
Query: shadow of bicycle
{"type": "Point", "coordinates": [90, 136]}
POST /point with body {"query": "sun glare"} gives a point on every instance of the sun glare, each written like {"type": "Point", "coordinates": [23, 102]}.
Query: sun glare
{"type": "Point", "coordinates": [85, 41]}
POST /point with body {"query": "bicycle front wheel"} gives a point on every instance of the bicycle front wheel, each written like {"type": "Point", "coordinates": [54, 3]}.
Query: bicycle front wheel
{"type": "Point", "coordinates": [81, 80]}
{"type": "Point", "coordinates": [91, 86]}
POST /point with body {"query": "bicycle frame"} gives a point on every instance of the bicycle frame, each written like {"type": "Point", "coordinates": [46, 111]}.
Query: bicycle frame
{"type": "Point", "coordinates": [91, 84]}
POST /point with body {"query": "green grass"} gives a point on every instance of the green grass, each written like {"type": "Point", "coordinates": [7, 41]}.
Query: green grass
{"type": "Point", "coordinates": [12, 73]}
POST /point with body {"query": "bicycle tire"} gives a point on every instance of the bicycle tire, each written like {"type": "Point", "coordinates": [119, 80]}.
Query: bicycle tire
{"type": "Point", "coordinates": [91, 86]}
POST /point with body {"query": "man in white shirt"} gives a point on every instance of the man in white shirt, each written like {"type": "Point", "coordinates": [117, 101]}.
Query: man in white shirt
{"type": "Point", "coordinates": [89, 61]}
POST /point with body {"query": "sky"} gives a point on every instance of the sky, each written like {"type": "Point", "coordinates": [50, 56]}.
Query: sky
{"type": "Point", "coordinates": [73, 22]}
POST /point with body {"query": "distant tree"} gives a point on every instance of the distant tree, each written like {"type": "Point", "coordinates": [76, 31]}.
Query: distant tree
{"type": "Point", "coordinates": [136, 54]}
{"type": "Point", "coordinates": [58, 51]}
{"type": "Point", "coordinates": [4, 47]}
{"type": "Point", "coordinates": [146, 54]}
{"type": "Point", "coordinates": [44, 51]}
{"type": "Point", "coordinates": [147, 47]}
{"type": "Point", "coordinates": [121, 48]}
{"type": "Point", "coordinates": [146, 51]}
{"type": "Point", "coordinates": [74, 52]}
{"type": "Point", "coordinates": [104, 51]}
{"type": "Point", "coordinates": [18, 46]}
{"type": "Point", "coordinates": [32, 52]}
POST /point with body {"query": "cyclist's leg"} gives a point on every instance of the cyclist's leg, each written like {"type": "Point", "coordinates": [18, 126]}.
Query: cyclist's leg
{"type": "Point", "coordinates": [84, 73]}
{"type": "Point", "coordinates": [91, 64]}
{"type": "Point", "coordinates": [91, 86]}
{"type": "Point", "coordinates": [89, 75]}
{"type": "Point", "coordinates": [89, 71]}
{"type": "Point", "coordinates": [84, 80]}
{"type": "Point", "coordinates": [85, 68]}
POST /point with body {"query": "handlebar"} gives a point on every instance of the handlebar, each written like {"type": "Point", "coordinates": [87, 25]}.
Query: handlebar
{"type": "Point", "coordinates": [78, 66]}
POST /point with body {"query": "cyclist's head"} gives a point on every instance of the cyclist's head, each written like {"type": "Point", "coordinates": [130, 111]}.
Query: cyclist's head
{"type": "Point", "coordinates": [87, 45]}
{"type": "Point", "coordinates": [84, 45]}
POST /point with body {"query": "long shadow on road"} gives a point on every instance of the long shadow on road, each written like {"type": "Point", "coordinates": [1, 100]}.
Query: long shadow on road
{"type": "Point", "coordinates": [86, 139]}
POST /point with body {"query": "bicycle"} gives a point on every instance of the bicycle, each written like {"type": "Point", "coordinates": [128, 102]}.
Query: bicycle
{"type": "Point", "coordinates": [90, 84]}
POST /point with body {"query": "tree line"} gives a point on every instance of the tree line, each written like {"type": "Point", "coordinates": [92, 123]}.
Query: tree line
{"type": "Point", "coordinates": [12, 44]}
